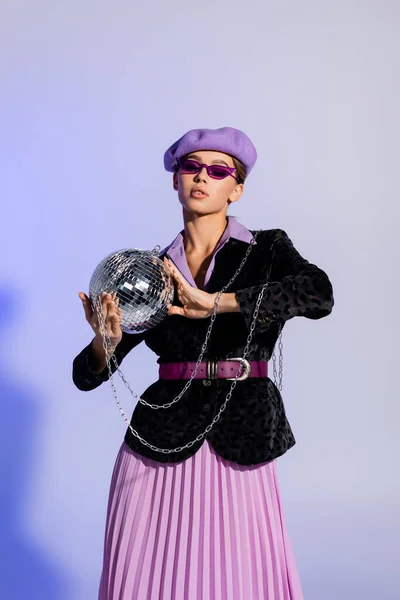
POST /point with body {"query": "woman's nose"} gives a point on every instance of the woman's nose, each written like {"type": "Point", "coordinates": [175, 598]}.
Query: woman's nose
{"type": "Point", "coordinates": [201, 175]}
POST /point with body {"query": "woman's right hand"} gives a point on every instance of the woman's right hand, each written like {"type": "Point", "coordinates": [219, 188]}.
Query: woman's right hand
{"type": "Point", "coordinates": [111, 313]}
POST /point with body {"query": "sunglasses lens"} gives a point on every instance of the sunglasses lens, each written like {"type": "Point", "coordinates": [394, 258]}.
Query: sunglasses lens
{"type": "Point", "coordinates": [190, 166]}
{"type": "Point", "coordinates": [218, 172]}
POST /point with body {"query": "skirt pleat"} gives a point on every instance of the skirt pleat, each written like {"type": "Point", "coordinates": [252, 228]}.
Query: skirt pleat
{"type": "Point", "coordinates": [201, 529]}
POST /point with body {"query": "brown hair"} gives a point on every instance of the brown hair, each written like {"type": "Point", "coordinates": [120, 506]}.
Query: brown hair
{"type": "Point", "coordinates": [240, 170]}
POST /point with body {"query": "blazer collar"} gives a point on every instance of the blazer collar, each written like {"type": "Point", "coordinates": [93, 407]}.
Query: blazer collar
{"type": "Point", "coordinates": [176, 250]}
{"type": "Point", "coordinates": [233, 229]}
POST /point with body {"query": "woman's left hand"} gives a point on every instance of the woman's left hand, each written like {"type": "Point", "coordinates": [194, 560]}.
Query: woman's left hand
{"type": "Point", "coordinates": [197, 304]}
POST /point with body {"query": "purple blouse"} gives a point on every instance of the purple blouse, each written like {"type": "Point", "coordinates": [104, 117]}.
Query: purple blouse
{"type": "Point", "coordinates": [176, 250]}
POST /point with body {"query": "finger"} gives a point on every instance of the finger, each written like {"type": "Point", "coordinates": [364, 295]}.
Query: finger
{"type": "Point", "coordinates": [178, 277]}
{"type": "Point", "coordinates": [181, 292]}
{"type": "Point", "coordinates": [170, 265]}
{"type": "Point", "coordinates": [106, 301]}
{"type": "Point", "coordinates": [101, 307]}
{"type": "Point", "coordinates": [170, 272]}
{"type": "Point", "coordinates": [115, 325]}
{"type": "Point", "coordinates": [116, 300]}
{"type": "Point", "coordinates": [87, 306]}
{"type": "Point", "coordinates": [181, 297]}
{"type": "Point", "coordinates": [111, 312]}
{"type": "Point", "coordinates": [167, 265]}
{"type": "Point", "coordinates": [176, 310]}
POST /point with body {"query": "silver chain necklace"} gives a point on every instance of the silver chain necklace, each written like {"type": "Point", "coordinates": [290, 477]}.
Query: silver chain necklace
{"type": "Point", "coordinates": [107, 346]}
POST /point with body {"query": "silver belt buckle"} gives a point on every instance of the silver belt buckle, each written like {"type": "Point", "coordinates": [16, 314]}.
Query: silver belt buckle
{"type": "Point", "coordinates": [246, 366]}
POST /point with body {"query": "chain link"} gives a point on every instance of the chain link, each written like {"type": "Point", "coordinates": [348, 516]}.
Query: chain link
{"type": "Point", "coordinates": [107, 346]}
{"type": "Point", "coordinates": [278, 383]}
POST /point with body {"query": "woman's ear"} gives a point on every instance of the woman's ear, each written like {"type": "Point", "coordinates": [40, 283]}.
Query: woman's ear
{"type": "Point", "coordinates": [237, 192]}
{"type": "Point", "coordinates": [175, 181]}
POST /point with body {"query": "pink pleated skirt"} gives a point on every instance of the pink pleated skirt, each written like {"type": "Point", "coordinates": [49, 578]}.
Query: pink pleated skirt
{"type": "Point", "coordinates": [201, 529]}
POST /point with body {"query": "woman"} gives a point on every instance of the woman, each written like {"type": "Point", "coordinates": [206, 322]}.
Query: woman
{"type": "Point", "coordinates": [190, 516]}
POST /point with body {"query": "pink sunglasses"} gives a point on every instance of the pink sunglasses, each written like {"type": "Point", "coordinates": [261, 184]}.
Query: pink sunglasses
{"type": "Point", "coordinates": [190, 166]}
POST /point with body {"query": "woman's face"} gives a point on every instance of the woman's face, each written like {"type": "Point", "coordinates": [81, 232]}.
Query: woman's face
{"type": "Point", "coordinates": [216, 192]}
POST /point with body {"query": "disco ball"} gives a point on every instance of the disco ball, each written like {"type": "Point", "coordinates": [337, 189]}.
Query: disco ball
{"type": "Point", "coordinates": [141, 283]}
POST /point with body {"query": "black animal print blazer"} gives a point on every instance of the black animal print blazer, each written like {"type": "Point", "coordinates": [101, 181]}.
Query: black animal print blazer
{"type": "Point", "coordinates": [253, 428]}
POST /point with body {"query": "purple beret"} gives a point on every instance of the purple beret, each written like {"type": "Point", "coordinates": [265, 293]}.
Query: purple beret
{"type": "Point", "coordinates": [226, 139]}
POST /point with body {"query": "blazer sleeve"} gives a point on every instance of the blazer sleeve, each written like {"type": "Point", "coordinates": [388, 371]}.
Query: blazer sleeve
{"type": "Point", "coordinates": [295, 288]}
{"type": "Point", "coordinates": [83, 375]}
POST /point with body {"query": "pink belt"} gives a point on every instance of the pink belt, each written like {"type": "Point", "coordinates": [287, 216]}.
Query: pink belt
{"type": "Point", "coordinates": [213, 369]}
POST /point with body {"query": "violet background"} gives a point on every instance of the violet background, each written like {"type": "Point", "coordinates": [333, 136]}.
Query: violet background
{"type": "Point", "coordinates": [92, 93]}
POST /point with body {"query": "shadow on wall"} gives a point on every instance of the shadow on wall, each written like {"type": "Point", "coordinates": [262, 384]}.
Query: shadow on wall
{"type": "Point", "coordinates": [25, 570]}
